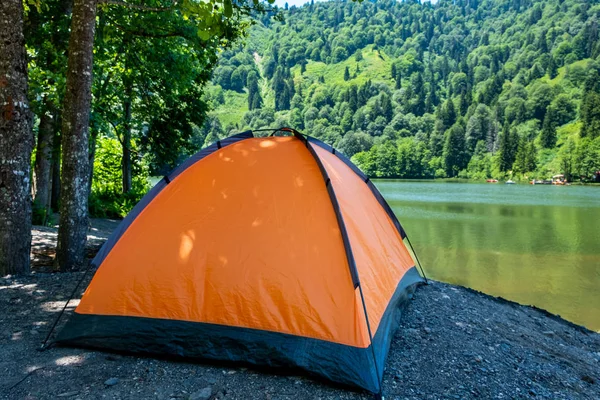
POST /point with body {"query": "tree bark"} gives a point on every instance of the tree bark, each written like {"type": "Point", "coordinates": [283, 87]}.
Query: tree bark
{"type": "Point", "coordinates": [126, 161]}
{"type": "Point", "coordinates": [72, 232]}
{"type": "Point", "coordinates": [16, 143]}
{"type": "Point", "coordinates": [92, 156]}
{"type": "Point", "coordinates": [43, 160]}
{"type": "Point", "coordinates": [55, 194]}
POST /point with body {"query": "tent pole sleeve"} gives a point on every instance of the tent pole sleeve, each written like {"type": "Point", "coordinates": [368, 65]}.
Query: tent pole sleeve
{"type": "Point", "coordinates": [338, 214]}
{"type": "Point", "coordinates": [347, 246]}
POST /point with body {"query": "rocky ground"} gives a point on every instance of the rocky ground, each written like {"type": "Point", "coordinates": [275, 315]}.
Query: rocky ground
{"type": "Point", "coordinates": [453, 343]}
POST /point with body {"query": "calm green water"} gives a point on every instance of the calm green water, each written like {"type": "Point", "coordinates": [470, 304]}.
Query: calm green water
{"type": "Point", "coordinates": [537, 245]}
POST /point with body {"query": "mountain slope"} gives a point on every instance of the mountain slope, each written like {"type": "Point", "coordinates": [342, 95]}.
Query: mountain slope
{"type": "Point", "coordinates": [419, 90]}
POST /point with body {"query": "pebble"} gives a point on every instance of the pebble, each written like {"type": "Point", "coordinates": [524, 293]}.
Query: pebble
{"type": "Point", "coordinates": [69, 394]}
{"type": "Point", "coordinates": [588, 379]}
{"type": "Point", "coordinates": [482, 364]}
{"type": "Point", "coordinates": [111, 381]}
{"type": "Point", "coordinates": [203, 394]}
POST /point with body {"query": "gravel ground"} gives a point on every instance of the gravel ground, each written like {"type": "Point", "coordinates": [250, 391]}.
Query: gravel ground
{"type": "Point", "coordinates": [454, 343]}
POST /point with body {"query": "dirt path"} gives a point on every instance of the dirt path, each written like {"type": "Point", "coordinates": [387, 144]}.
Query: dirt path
{"type": "Point", "coordinates": [453, 343]}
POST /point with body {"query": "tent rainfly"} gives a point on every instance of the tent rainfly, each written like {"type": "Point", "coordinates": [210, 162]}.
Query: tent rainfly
{"type": "Point", "coordinates": [273, 251]}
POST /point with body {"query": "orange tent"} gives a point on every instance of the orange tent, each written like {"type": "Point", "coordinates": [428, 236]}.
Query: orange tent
{"type": "Point", "coordinates": [273, 251]}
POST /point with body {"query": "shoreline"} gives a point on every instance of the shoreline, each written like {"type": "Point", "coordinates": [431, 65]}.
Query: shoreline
{"type": "Point", "coordinates": [464, 180]}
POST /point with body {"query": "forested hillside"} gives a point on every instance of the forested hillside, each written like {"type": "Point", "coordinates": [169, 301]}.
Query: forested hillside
{"type": "Point", "coordinates": [473, 89]}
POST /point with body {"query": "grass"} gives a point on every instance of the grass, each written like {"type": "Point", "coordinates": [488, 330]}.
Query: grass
{"type": "Point", "coordinates": [568, 131]}
{"type": "Point", "coordinates": [375, 65]}
{"type": "Point", "coordinates": [236, 105]}
{"type": "Point", "coordinates": [562, 72]}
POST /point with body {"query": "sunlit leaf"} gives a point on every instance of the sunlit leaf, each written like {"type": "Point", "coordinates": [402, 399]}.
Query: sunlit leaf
{"type": "Point", "coordinates": [228, 9]}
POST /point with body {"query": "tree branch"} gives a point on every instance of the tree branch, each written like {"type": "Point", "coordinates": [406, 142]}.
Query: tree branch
{"type": "Point", "coordinates": [116, 132]}
{"type": "Point", "coordinates": [251, 9]}
{"type": "Point", "coordinates": [138, 6]}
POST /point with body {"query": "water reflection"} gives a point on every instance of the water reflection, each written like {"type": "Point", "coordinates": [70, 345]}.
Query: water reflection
{"type": "Point", "coordinates": [532, 244]}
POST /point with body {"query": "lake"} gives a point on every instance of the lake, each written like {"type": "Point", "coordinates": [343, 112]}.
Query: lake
{"type": "Point", "coordinates": [537, 245]}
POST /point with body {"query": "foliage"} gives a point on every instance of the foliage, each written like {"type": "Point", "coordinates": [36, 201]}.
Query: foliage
{"type": "Point", "coordinates": [516, 72]}
{"type": "Point", "coordinates": [107, 199]}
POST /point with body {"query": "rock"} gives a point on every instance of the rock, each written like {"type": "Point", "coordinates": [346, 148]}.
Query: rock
{"type": "Point", "coordinates": [548, 333]}
{"type": "Point", "coordinates": [588, 379]}
{"type": "Point", "coordinates": [203, 394]}
{"type": "Point", "coordinates": [412, 331]}
{"type": "Point", "coordinates": [211, 380]}
{"type": "Point", "coordinates": [478, 359]}
{"type": "Point", "coordinates": [111, 381]}
{"type": "Point", "coordinates": [427, 330]}
{"type": "Point", "coordinates": [69, 394]}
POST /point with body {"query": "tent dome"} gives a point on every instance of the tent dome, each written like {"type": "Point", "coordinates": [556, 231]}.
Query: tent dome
{"type": "Point", "coordinates": [273, 251]}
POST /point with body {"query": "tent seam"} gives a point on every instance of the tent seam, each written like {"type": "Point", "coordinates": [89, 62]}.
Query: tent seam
{"type": "Point", "coordinates": [347, 246]}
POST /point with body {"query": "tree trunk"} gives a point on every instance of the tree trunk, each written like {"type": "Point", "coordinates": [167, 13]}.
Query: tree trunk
{"type": "Point", "coordinates": [72, 232]}
{"type": "Point", "coordinates": [126, 161]}
{"type": "Point", "coordinates": [16, 143]}
{"type": "Point", "coordinates": [92, 156]}
{"type": "Point", "coordinates": [43, 161]}
{"type": "Point", "coordinates": [55, 194]}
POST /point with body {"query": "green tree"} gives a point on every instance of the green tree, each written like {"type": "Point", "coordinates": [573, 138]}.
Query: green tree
{"type": "Point", "coordinates": [525, 158]}
{"type": "Point", "coordinates": [254, 97]}
{"type": "Point", "coordinates": [552, 68]}
{"type": "Point", "coordinates": [590, 105]}
{"type": "Point", "coordinates": [531, 158]}
{"type": "Point", "coordinates": [385, 104]}
{"type": "Point", "coordinates": [479, 127]}
{"type": "Point", "coordinates": [354, 142]}
{"type": "Point", "coordinates": [548, 135]}
{"type": "Point", "coordinates": [346, 74]}
{"type": "Point", "coordinates": [358, 55]}
{"type": "Point", "coordinates": [455, 153]}
{"type": "Point", "coordinates": [566, 156]}
{"type": "Point", "coordinates": [562, 109]}
{"type": "Point", "coordinates": [507, 150]}
{"type": "Point", "coordinates": [386, 160]}
{"type": "Point", "coordinates": [588, 158]}
{"type": "Point", "coordinates": [446, 116]}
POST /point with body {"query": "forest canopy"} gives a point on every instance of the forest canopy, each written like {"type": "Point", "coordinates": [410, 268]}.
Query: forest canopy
{"type": "Point", "coordinates": [470, 89]}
